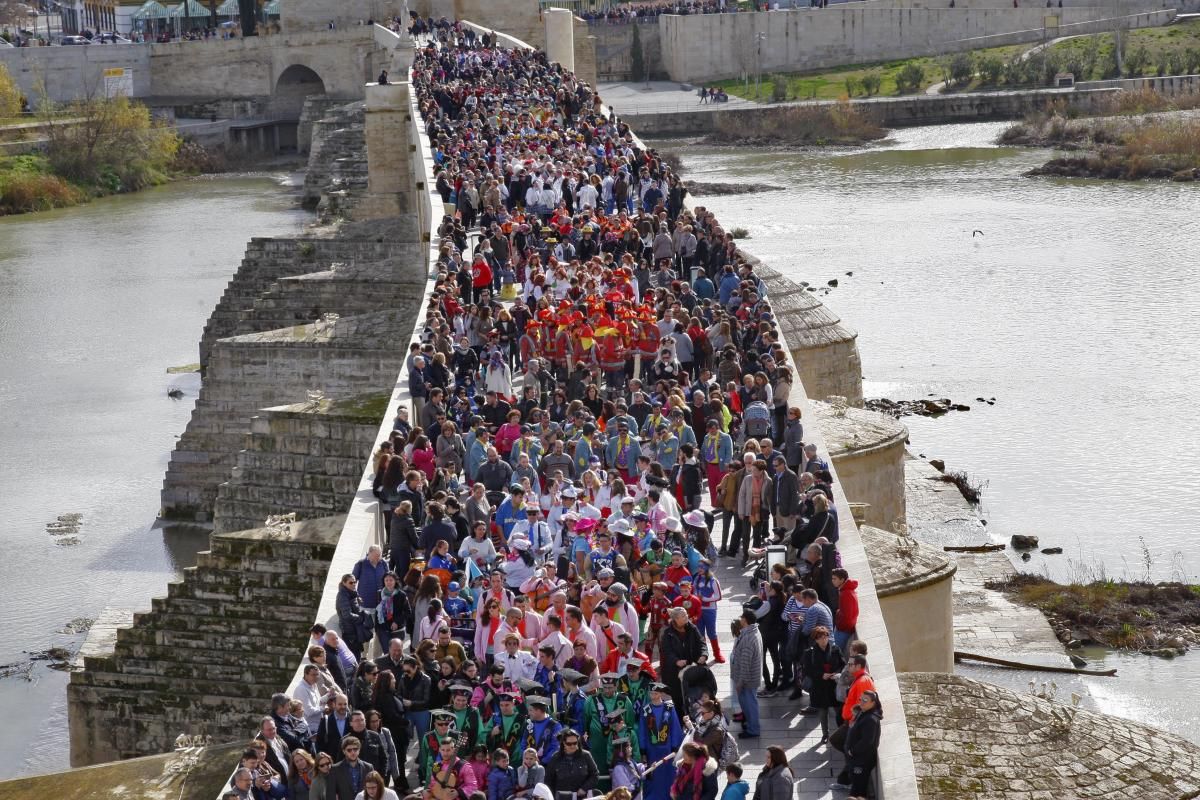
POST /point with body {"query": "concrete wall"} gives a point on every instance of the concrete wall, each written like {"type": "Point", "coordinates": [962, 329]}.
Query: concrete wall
{"type": "Point", "coordinates": [920, 624]}
{"type": "Point", "coordinates": [893, 112]}
{"type": "Point", "coordinates": [614, 49]}
{"type": "Point", "coordinates": [718, 46]}
{"type": "Point", "coordinates": [72, 72]}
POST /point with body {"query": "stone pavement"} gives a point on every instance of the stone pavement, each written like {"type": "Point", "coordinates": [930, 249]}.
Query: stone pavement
{"type": "Point", "coordinates": [815, 765]}
{"type": "Point", "coordinates": [976, 741]}
{"type": "Point", "coordinates": [656, 96]}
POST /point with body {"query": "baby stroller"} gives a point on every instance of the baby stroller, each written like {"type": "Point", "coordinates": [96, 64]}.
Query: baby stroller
{"type": "Point", "coordinates": [697, 683]}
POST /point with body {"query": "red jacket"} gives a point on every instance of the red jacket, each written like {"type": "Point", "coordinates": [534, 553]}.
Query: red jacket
{"type": "Point", "coordinates": [847, 612]}
{"type": "Point", "coordinates": [613, 660]}
{"type": "Point", "coordinates": [481, 275]}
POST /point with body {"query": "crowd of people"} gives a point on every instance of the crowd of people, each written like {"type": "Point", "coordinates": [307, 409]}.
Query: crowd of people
{"type": "Point", "coordinates": [622, 13]}
{"type": "Point", "coordinates": [600, 418]}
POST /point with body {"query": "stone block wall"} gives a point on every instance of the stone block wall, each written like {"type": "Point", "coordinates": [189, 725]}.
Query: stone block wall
{"type": "Point", "coordinates": [335, 154]}
{"type": "Point", "coordinates": [303, 458]}
{"type": "Point", "coordinates": [355, 356]}
{"type": "Point", "coordinates": [254, 593]}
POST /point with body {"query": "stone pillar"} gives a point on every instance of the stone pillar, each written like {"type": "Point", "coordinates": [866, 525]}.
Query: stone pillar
{"type": "Point", "coordinates": [560, 36]}
{"type": "Point", "coordinates": [390, 186]}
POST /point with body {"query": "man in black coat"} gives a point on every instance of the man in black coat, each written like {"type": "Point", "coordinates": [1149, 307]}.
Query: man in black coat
{"type": "Point", "coordinates": [786, 497]}
{"type": "Point", "coordinates": [284, 725]}
{"type": "Point", "coordinates": [393, 660]}
{"type": "Point", "coordinates": [349, 775]}
{"type": "Point", "coordinates": [334, 727]}
{"type": "Point", "coordinates": [372, 743]}
{"type": "Point", "coordinates": [413, 690]}
{"type": "Point", "coordinates": [495, 410]}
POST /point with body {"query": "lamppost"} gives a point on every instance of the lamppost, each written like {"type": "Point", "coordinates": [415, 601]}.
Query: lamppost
{"type": "Point", "coordinates": [758, 39]}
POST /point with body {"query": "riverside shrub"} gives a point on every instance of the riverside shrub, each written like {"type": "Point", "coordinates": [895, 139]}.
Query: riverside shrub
{"type": "Point", "coordinates": [114, 147]}
{"type": "Point", "coordinates": [910, 78]}
{"type": "Point", "coordinates": [10, 94]}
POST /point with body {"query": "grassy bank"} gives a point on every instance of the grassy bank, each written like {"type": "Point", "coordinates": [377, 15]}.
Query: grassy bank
{"type": "Point", "coordinates": [1170, 50]}
{"type": "Point", "coordinates": [1162, 618]}
{"type": "Point", "coordinates": [28, 184]}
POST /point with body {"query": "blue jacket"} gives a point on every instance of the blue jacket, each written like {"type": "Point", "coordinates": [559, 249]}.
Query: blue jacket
{"type": "Point", "coordinates": [476, 455]}
{"type": "Point", "coordinates": [635, 450]}
{"type": "Point", "coordinates": [370, 580]}
{"type": "Point", "coordinates": [416, 381]}
{"type": "Point", "coordinates": [501, 783]}
{"type": "Point", "coordinates": [729, 284]}
{"type": "Point", "coordinates": [583, 455]}
{"type": "Point", "coordinates": [737, 790]}
{"type": "Point", "coordinates": [704, 288]}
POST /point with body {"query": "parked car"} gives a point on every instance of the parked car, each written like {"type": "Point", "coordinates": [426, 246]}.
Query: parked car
{"type": "Point", "coordinates": [110, 38]}
{"type": "Point", "coordinates": [73, 40]}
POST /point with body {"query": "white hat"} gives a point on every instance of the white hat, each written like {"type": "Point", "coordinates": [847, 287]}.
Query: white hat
{"type": "Point", "coordinates": [672, 524]}
{"type": "Point", "coordinates": [520, 543]}
{"type": "Point", "coordinates": [570, 491]}
{"type": "Point", "coordinates": [620, 526]}
{"type": "Point", "coordinates": [695, 519]}
{"type": "Point", "coordinates": [541, 792]}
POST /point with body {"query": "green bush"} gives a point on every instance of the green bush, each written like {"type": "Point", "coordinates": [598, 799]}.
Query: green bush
{"type": "Point", "coordinates": [910, 78]}
{"type": "Point", "coordinates": [1192, 57]}
{"type": "Point", "coordinates": [991, 69]}
{"type": "Point", "coordinates": [1136, 61]}
{"type": "Point", "coordinates": [10, 94]}
{"type": "Point", "coordinates": [1016, 73]}
{"type": "Point", "coordinates": [779, 88]}
{"type": "Point", "coordinates": [853, 85]}
{"type": "Point", "coordinates": [871, 83]}
{"type": "Point", "coordinates": [961, 69]}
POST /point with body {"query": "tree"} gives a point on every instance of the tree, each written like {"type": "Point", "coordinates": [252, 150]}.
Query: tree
{"type": "Point", "coordinates": [961, 69]}
{"type": "Point", "coordinates": [113, 144]}
{"type": "Point", "coordinates": [10, 94]}
{"type": "Point", "coordinates": [248, 10]}
{"type": "Point", "coordinates": [871, 83]}
{"type": "Point", "coordinates": [990, 70]}
{"type": "Point", "coordinates": [910, 77]}
{"type": "Point", "coordinates": [637, 58]}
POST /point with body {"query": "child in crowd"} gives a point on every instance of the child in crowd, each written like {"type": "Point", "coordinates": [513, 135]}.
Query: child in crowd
{"type": "Point", "coordinates": [530, 773]}
{"type": "Point", "coordinates": [502, 778]}
{"type": "Point", "coordinates": [735, 787]}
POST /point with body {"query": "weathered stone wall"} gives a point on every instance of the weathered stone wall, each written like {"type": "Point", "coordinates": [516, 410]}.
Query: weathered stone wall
{"type": "Point", "coordinates": [915, 584]}
{"type": "Point", "coordinates": [717, 46]}
{"type": "Point", "coordinates": [614, 50]}
{"type": "Point", "coordinates": [343, 60]}
{"type": "Point", "coordinates": [335, 161]}
{"type": "Point", "coordinates": [315, 15]}
{"type": "Point", "coordinates": [868, 449]}
{"type": "Point", "coordinates": [892, 112]}
{"type": "Point", "coordinates": [72, 72]}
{"type": "Point", "coordinates": [305, 459]}
{"type": "Point", "coordinates": [976, 741]}
{"type": "Point", "coordinates": [246, 373]}
{"type": "Point", "coordinates": [254, 594]}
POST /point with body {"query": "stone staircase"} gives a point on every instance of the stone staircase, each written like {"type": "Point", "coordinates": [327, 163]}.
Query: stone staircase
{"type": "Point", "coordinates": [307, 458]}
{"type": "Point", "coordinates": [337, 160]}
{"type": "Point", "coordinates": [208, 656]}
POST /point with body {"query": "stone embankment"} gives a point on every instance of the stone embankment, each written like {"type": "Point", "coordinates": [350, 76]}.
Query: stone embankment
{"type": "Point", "coordinates": [202, 660]}
{"type": "Point", "coordinates": [320, 315]}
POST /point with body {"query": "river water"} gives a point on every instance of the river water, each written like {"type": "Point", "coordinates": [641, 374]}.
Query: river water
{"type": "Point", "coordinates": [96, 303]}
{"type": "Point", "coordinates": [1076, 307]}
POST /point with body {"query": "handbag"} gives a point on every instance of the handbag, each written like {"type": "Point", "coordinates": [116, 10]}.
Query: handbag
{"type": "Point", "coordinates": [837, 739]}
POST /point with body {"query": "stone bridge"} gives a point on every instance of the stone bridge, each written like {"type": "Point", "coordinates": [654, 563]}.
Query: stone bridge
{"type": "Point", "coordinates": [277, 72]}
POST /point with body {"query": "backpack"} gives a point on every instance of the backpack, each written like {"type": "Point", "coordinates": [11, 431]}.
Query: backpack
{"type": "Point", "coordinates": [729, 751]}
{"type": "Point", "coordinates": [757, 419]}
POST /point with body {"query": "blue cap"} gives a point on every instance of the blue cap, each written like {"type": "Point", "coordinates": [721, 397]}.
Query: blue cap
{"type": "Point", "coordinates": [453, 587]}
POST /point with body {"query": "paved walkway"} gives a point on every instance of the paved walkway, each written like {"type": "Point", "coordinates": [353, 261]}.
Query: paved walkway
{"type": "Point", "coordinates": [815, 765]}
{"type": "Point", "coordinates": [656, 96]}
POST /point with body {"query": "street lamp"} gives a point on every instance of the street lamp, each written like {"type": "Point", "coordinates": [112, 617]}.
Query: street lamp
{"type": "Point", "coordinates": [758, 39]}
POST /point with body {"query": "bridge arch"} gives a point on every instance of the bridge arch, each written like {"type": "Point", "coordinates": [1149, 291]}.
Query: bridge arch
{"type": "Point", "coordinates": [294, 84]}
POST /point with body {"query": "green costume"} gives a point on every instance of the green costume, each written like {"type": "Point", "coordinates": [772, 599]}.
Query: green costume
{"type": "Point", "coordinates": [509, 737]}
{"type": "Point", "coordinates": [599, 731]}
